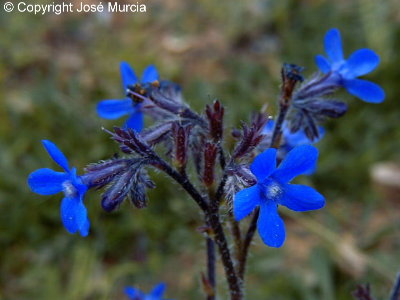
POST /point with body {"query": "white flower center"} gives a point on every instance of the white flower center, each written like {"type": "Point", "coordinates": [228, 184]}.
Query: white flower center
{"type": "Point", "coordinates": [273, 190]}
{"type": "Point", "coordinates": [69, 189]}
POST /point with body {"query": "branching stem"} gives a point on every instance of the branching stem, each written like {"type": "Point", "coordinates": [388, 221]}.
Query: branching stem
{"type": "Point", "coordinates": [284, 104]}
{"type": "Point", "coordinates": [213, 219]}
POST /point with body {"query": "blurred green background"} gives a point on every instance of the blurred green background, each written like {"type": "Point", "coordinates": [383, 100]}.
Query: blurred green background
{"type": "Point", "coordinates": [54, 69]}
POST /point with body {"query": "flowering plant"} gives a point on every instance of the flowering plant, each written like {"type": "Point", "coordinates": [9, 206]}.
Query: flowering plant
{"type": "Point", "coordinates": [253, 178]}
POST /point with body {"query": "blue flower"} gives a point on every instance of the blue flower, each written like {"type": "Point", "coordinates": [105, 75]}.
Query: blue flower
{"type": "Point", "coordinates": [48, 182]}
{"type": "Point", "coordinates": [359, 63]}
{"type": "Point", "coordinates": [116, 108]}
{"type": "Point", "coordinates": [290, 139]}
{"type": "Point", "coordinates": [273, 188]}
{"type": "Point", "coordinates": [156, 294]}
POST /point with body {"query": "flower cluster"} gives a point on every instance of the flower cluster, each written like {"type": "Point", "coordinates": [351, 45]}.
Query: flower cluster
{"type": "Point", "coordinates": [227, 184]}
{"type": "Point", "coordinates": [310, 104]}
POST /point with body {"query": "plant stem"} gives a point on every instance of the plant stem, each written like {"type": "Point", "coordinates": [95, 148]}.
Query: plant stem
{"type": "Point", "coordinates": [246, 244]}
{"type": "Point", "coordinates": [211, 266]}
{"type": "Point", "coordinates": [395, 295]}
{"type": "Point", "coordinates": [234, 283]}
{"type": "Point", "coordinates": [222, 160]}
{"type": "Point", "coordinates": [284, 105]}
{"type": "Point", "coordinates": [277, 133]}
{"type": "Point", "coordinates": [213, 219]}
{"type": "Point", "coordinates": [184, 182]}
{"type": "Point", "coordinates": [237, 235]}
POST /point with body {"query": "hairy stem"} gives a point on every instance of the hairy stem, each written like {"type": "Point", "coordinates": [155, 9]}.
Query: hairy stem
{"type": "Point", "coordinates": [284, 105]}
{"type": "Point", "coordinates": [234, 282]}
{"type": "Point", "coordinates": [395, 295]}
{"type": "Point", "coordinates": [222, 160]}
{"type": "Point", "coordinates": [277, 133]}
{"type": "Point", "coordinates": [184, 182]}
{"type": "Point", "coordinates": [213, 219]}
{"type": "Point", "coordinates": [211, 266]}
{"type": "Point", "coordinates": [246, 244]}
{"type": "Point", "coordinates": [237, 236]}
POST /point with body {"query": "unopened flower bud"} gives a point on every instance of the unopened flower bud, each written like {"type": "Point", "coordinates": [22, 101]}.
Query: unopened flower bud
{"type": "Point", "coordinates": [117, 192]}
{"type": "Point", "coordinates": [100, 174]}
{"type": "Point", "coordinates": [181, 142]}
{"type": "Point", "coordinates": [215, 116]}
{"type": "Point", "coordinates": [137, 196]}
{"type": "Point", "coordinates": [245, 174]}
{"type": "Point", "coordinates": [328, 108]}
{"type": "Point", "coordinates": [210, 156]}
{"type": "Point", "coordinates": [291, 75]}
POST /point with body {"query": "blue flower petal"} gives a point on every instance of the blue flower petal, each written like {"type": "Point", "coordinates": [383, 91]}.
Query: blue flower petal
{"type": "Point", "coordinates": [323, 64]}
{"type": "Point", "coordinates": [135, 121]}
{"type": "Point", "coordinates": [297, 162]}
{"type": "Point", "coordinates": [150, 74]}
{"type": "Point", "coordinates": [296, 139]}
{"type": "Point", "coordinates": [301, 198]}
{"type": "Point", "coordinates": [46, 181]}
{"type": "Point", "coordinates": [299, 137]}
{"type": "Point", "coordinates": [114, 109]}
{"type": "Point", "coordinates": [74, 215]}
{"type": "Point", "coordinates": [269, 127]}
{"type": "Point", "coordinates": [311, 170]}
{"type": "Point", "coordinates": [133, 293]}
{"type": "Point", "coordinates": [333, 45]}
{"type": "Point", "coordinates": [158, 290]}
{"type": "Point", "coordinates": [77, 182]}
{"type": "Point", "coordinates": [128, 75]}
{"type": "Point", "coordinates": [365, 90]}
{"type": "Point", "coordinates": [245, 201]}
{"type": "Point", "coordinates": [264, 164]}
{"type": "Point", "coordinates": [270, 225]}
{"type": "Point", "coordinates": [84, 229]}
{"type": "Point", "coordinates": [56, 154]}
{"type": "Point", "coordinates": [360, 63]}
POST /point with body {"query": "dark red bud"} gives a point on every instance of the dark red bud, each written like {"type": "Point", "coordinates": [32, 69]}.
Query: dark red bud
{"type": "Point", "coordinates": [210, 156]}
{"type": "Point", "coordinates": [181, 139]}
{"type": "Point", "coordinates": [215, 116]}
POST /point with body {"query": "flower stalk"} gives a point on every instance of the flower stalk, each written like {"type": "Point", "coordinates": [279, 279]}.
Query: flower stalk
{"type": "Point", "coordinates": [236, 188]}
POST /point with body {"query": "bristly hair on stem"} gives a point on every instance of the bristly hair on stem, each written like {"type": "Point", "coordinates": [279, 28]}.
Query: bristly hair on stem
{"type": "Point", "coordinates": [251, 135]}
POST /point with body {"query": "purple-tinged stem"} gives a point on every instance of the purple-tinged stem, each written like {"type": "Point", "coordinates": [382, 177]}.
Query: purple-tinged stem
{"type": "Point", "coordinates": [290, 78]}
{"type": "Point", "coordinates": [395, 295]}
{"type": "Point", "coordinates": [211, 266]}
{"type": "Point", "coordinates": [213, 219]}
